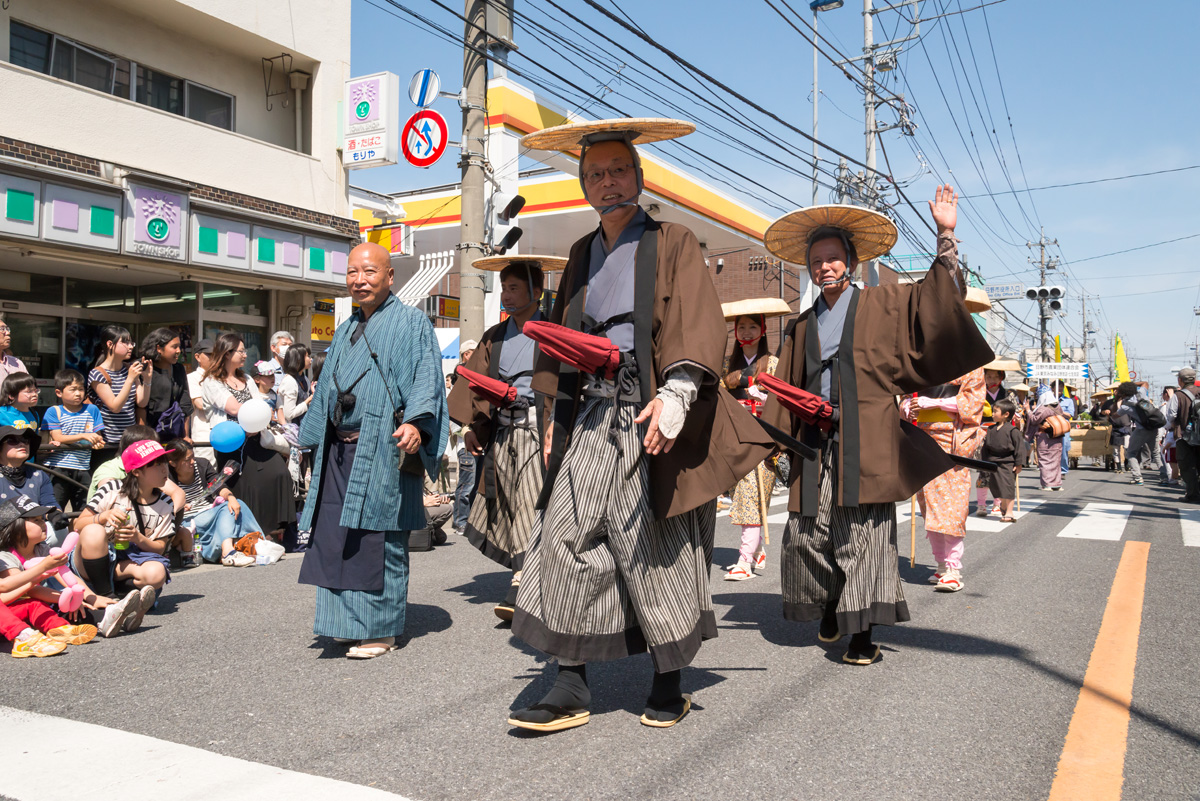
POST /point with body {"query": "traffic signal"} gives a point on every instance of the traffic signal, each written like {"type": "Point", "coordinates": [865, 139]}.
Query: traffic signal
{"type": "Point", "coordinates": [503, 208]}
{"type": "Point", "coordinates": [1053, 295]}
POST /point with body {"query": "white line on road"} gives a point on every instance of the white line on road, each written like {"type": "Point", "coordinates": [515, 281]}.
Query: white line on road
{"type": "Point", "coordinates": [1099, 521]}
{"type": "Point", "coordinates": [775, 501]}
{"type": "Point", "coordinates": [43, 745]}
{"type": "Point", "coordinates": [1189, 519]}
{"type": "Point", "coordinates": [982, 525]}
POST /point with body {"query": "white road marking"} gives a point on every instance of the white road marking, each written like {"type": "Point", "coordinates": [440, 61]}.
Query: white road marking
{"type": "Point", "coordinates": [1189, 519]}
{"type": "Point", "coordinates": [156, 769]}
{"type": "Point", "coordinates": [1099, 521]}
{"type": "Point", "coordinates": [776, 500]}
{"type": "Point", "coordinates": [983, 525]}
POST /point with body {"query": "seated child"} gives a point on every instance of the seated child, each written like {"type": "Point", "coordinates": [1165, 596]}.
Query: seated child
{"type": "Point", "coordinates": [113, 468]}
{"type": "Point", "coordinates": [17, 446]}
{"type": "Point", "coordinates": [27, 617]}
{"type": "Point", "coordinates": [1004, 445]}
{"type": "Point", "coordinates": [126, 528]}
{"type": "Point", "coordinates": [216, 528]}
{"type": "Point", "coordinates": [75, 427]}
{"type": "Point", "coordinates": [19, 394]}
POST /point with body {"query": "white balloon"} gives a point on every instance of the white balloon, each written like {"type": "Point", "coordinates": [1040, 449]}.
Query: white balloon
{"type": "Point", "coordinates": [254, 416]}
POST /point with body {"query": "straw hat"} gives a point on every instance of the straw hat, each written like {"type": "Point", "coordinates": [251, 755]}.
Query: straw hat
{"type": "Point", "coordinates": [495, 264]}
{"type": "Point", "coordinates": [1019, 388]}
{"type": "Point", "coordinates": [641, 131]}
{"type": "Point", "coordinates": [1003, 365]}
{"type": "Point", "coordinates": [756, 307]}
{"type": "Point", "coordinates": [872, 233]}
{"type": "Point", "coordinates": [977, 300]}
{"type": "Point", "coordinates": [1114, 385]}
{"type": "Point", "coordinates": [1101, 394]}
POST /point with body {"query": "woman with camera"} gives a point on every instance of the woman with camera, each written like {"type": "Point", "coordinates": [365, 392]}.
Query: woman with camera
{"type": "Point", "coordinates": [117, 385]}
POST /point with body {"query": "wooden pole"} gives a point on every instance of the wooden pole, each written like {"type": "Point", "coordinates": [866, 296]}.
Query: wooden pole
{"type": "Point", "coordinates": [764, 500]}
{"type": "Point", "coordinates": [912, 533]}
{"type": "Point", "coordinates": [1018, 483]}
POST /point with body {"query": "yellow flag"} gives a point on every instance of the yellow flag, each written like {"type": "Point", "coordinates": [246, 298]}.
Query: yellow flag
{"type": "Point", "coordinates": [1121, 364]}
{"type": "Point", "coordinates": [1057, 349]}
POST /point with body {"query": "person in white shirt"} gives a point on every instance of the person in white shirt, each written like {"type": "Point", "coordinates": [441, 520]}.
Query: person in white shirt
{"type": "Point", "coordinates": [280, 342]}
{"type": "Point", "coordinates": [201, 426]}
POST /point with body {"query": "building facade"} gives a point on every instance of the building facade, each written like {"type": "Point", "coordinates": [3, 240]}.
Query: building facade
{"type": "Point", "coordinates": [169, 163]}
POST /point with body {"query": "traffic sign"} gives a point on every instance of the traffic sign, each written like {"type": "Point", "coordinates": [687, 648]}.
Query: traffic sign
{"type": "Point", "coordinates": [423, 88]}
{"type": "Point", "coordinates": [424, 138]}
{"type": "Point", "coordinates": [1005, 291]}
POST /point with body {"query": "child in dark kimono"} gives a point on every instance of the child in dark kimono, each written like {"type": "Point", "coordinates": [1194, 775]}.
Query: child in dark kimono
{"type": "Point", "coordinates": [1005, 446]}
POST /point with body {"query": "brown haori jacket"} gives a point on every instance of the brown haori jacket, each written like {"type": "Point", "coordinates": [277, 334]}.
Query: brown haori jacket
{"type": "Point", "coordinates": [677, 318]}
{"type": "Point", "coordinates": [897, 340]}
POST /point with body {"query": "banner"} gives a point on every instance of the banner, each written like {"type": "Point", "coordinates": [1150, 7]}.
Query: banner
{"type": "Point", "coordinates": [1121, 365]}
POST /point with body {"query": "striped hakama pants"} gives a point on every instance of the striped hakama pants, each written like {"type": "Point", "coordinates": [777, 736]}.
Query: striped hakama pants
{"type": "Point", "coordinates": [846, 554]}
{"type": "Point", "coordinates": [499, 527]}
{"type": "Point", "coordinates": [365, 615]}
{"type": "Point", "coordinates": [603, 579]}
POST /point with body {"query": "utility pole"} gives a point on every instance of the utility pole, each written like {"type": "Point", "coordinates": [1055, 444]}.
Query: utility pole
{"type": "Point", "coordinates": [1043, 305]}
{"type": "Point", "coordinates": [815, 97]}
{"type": "Point", "coordinates": [472, 234]}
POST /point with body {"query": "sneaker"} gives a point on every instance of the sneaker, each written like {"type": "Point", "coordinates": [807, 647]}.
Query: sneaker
{"type": "Point", "coordinates": [740, 572]}
{"type": "Point", "coordinates": [941, 571]}
{"type": "Point", "coordinates": [1136, 481]}
{"type": "Point", "coordinates": [236, 558]}
{"type": "Point", "coordinates": [760, 561]}
{"type": "Point", "coordinates": [36, 645]}
{"type": "Point", "coordinates": [139, 608]}
{"type": "Point", "coordinates": [115, 614]}
{"type": "Point", "coordinates": [951, 581]}
{"type": "Point", "coordinates": [73, 635]}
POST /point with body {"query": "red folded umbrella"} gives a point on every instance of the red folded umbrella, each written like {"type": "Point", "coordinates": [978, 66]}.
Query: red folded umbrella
{"type": "Point", "coordinates": [590, 353]}
{"type": "Point", "coordinates": [492, 390]}
{"type": "Point", "coordinates": [810, 408]}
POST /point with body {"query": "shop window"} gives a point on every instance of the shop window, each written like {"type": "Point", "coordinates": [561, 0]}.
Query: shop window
{"type": "Point", "coordinates": [35, 341]}
{"type": "Point", "coordinates": [84, 294]}
{"type": "Point", "coordinates": [235, 300]}
{"type": "Point", "coordinates": [257, 340]}
{"type": "Point", "coordinates": [177, 298]}
{"type": "Point", "coordinates": [31, 287]}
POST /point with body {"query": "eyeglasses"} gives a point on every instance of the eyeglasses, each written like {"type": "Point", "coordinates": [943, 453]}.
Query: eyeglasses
{"type": "Point", "coordinates": [4, 329]}
{"type": "Point", "coordinates": [242, 351]}
{"type": "Point", "coordinates": [596, 174]}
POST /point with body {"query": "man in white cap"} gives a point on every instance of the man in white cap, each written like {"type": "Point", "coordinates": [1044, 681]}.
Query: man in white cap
{"type": "Point", "coordinates": [858, 350]}
{"type": "Point", "coordinates": [619, 560]}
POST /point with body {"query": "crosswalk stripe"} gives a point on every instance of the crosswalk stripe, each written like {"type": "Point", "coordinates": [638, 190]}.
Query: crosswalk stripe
{"type": "Point", "coordinates": [1099, 521]}
{"type": "Point", "coordinates": [174, 771]}
{"type": "Point", "coordinates": [982, 525]}
{"type": "Point", "coordinates": [1189, 520]}
{"type": "Point", "coordinates": [776, 500]}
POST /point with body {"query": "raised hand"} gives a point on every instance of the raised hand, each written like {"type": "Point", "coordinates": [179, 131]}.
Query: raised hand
{"type": "Point", "coordinates": [944, 208]}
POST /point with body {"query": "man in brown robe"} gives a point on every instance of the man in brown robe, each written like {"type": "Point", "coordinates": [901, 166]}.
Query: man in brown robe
{"type": "Point", "coordinates": [618, 562]}
{"type": "Point", "coordinates": [859, 349]}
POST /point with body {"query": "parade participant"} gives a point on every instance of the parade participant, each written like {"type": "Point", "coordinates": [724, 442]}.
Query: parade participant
{"type": "Point", "coordinates": [381, 404]}
{"type": "Point", "coordinates": [951, 415]}
{"type": "Point", "coordinates": [507, 440]}
{"type": "Point", "coordinates": [1005, 446]}
{"type": "Point", "coordinates": [1187, 438]}
{"type": "Point", "coordinates": [858, 349]}
{"type": "Point", "coordinates": [1046, 426]}
{"type": "Point", "coordinates": [993, 379]}
{"type": "Point", "coordinates": [1069, 410]}
{"type": "Point", "coordinates": [618, 561]}
{"type": "Point", "coordinates": [750, 357]}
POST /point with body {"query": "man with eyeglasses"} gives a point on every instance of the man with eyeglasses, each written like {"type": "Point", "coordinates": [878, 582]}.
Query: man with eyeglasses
{"type": "Point", "coordinates": [377, 425]}
{"type": "Point", "coordinates": [9, 364]}
{"type": "Point", "coordinates": [618, 560]}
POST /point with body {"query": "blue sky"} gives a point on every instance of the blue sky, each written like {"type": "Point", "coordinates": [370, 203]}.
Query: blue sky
{"type": "Point", "coordinates": [1093, 90]}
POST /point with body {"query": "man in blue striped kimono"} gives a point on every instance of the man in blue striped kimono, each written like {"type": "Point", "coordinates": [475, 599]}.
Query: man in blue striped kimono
{"type": "Point", "coordinates": [377, 425]}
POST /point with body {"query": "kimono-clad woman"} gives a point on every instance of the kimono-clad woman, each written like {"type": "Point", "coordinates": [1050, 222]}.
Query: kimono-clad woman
{"type": "Point", "coordinates": [1049, 447]}
{"type": "Point", "coordinates": [751, 357]}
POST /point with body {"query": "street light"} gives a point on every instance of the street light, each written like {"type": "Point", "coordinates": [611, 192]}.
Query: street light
{"type": "Point", "coordinates": [816, 6]}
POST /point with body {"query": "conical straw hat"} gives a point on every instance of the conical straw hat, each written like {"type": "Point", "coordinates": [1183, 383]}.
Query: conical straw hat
{"type": "Point", "coordinates": [1019, 387]}
{"type": "Point", "coordinates": [1003, 365]}
{"type": "Point", "coordinates": [642, 131]}
{"type": "Point", "coordinates": [764, 307]}
{"type": "Point", "coordinates": [495, 264]}
{"type": "Point", "coordinates": [872, 233]}
{"type": "Point", "coordinates": [977, 300]}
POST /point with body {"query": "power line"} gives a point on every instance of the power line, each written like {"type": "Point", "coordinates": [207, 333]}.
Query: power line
{"type": "Point", "coordinates": [1086, 183]}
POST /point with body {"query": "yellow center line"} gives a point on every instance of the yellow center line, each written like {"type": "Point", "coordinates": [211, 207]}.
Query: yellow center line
{"type": "Point", "coordinates": [1093, 758]}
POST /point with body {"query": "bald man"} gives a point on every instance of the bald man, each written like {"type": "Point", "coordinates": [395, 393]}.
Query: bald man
{"type": "Point", "coordinates": [377, 425]}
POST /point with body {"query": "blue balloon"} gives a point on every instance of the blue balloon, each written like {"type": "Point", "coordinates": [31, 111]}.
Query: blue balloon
{"type": "Point", "coordinates": [227, 437]}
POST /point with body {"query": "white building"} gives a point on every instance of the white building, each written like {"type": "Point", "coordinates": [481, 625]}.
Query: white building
{"type": "Point", "coordinates": [169, 162]}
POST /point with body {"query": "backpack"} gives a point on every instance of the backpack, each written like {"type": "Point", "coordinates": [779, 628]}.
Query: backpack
{"type": "Point", "coordinates": [1148, 415]}
{"type": "Point", "coordinates": [1191, 426]}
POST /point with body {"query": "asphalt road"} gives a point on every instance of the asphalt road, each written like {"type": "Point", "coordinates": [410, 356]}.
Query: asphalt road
{"type": "Point", "coordinates": [973, 697]}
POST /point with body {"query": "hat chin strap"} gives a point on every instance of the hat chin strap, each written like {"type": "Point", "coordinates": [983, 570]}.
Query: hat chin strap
{"type": "Point", "coordinates": [845, 277]}
{"type": "Point", "coordinates": [608, 209]}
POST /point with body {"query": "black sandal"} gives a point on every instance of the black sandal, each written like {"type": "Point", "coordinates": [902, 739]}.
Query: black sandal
{"type": "Point", "coordinates": [558, 719]}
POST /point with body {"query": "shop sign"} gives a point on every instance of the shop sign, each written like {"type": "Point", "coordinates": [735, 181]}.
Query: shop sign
{"type": "Point", "coordinates": [372, 123]}
{"type": "Point", "coordinates": [447, 307]}
{"type": "Point", "coordinates": [323, 327]}
{"type": "Point", "coordinates": [1057, 371]}
{"type": "Point", "coordinates": [156, 222]}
